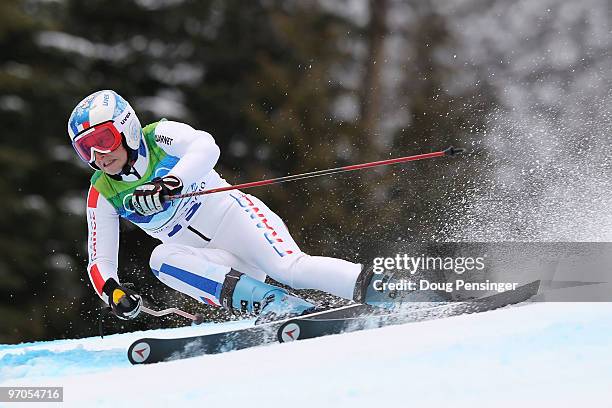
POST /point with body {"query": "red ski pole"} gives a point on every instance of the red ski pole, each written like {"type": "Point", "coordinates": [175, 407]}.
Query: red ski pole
{"type": "Point", "coordinates": [451, 151]}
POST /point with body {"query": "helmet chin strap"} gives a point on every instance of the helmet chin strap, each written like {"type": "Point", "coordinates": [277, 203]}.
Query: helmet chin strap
{"type": "Point", "coordinates": [131, 160]}
{"type": "Point", "coordinates": [129, 169]}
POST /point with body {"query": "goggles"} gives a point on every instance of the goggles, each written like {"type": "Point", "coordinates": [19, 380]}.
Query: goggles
{"type": "Point", "coordinates": [102, 138]}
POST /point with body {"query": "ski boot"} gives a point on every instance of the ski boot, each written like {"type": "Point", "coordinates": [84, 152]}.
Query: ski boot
{"type": "Point", "coordinates": [369, 290]}
{"type": "Point", "coordinates": [365, 291]}
{"type": "Point", "coordinates": [243, 293]}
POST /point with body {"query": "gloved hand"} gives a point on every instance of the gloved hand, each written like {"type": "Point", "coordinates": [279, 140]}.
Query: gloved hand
{"type": "Point", "coordinates": [124, 302]}
{"type": "Point", "coordinates": [148, 199]}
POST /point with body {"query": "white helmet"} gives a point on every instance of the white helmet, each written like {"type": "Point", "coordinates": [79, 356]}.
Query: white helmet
{"type": "Point", "coordinates": [108, 108]}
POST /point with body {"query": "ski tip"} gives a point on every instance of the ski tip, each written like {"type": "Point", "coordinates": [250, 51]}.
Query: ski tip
{"type": "Point", "coordinates": [453, 151]}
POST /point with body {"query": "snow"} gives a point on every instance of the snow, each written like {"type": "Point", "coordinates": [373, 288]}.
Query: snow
{"type": "Point", "coordinates": [540, 354]}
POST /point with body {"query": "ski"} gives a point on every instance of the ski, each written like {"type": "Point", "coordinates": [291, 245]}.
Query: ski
{"type": "Point", "coordinates": [150, 350]}
{"type": "Point", "coordinates": [308, 327]}
{"type": "Point", "coordinates": [334, 321]}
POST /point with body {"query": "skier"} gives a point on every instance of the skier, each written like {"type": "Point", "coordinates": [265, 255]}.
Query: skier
{"type": "Point", "coordinates": [217, 248]}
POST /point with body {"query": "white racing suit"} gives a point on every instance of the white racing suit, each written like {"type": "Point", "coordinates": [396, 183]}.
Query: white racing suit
{"type": "Point", "coordinates": [203, 237]}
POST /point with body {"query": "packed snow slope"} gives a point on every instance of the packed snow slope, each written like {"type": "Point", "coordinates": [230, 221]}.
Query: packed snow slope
{"type": "Point", "coordinates": [533, 355]}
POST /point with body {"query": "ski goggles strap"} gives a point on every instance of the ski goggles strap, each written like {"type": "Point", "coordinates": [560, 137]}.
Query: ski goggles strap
{"type": "Point", "coordinates": [102, 138]}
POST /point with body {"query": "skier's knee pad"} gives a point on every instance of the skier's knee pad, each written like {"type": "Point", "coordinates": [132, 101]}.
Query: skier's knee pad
{"type": "Point", "coordinates": [161, 255]}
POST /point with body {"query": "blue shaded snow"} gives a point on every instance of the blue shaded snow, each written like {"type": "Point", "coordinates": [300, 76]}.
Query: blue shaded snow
{"type": "Point", "coordinates": [57, 358]}
{"type": "Point", "coordinates": [47, 363]}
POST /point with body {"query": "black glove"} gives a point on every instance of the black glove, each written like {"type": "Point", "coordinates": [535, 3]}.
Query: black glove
{"type": "Point", "coordinates": [124, 302]}
{"type": "Point", "coordinates": [148, 199]}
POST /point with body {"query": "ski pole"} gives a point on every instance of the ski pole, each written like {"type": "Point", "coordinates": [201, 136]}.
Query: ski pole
{"type": "Point", "coordinates": [451, 151]}
{"type": "Point", "coordinates": [197, 318]}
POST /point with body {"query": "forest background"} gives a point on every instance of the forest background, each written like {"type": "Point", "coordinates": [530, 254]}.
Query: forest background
{"type": "Point", "coordinates": [292, 86]}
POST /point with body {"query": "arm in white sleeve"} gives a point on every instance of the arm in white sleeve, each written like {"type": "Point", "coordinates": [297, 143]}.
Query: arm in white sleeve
{"type": "Point", "coordinates": [102, 241]}
{"type": "Point", "coordinates": [197, 151]}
